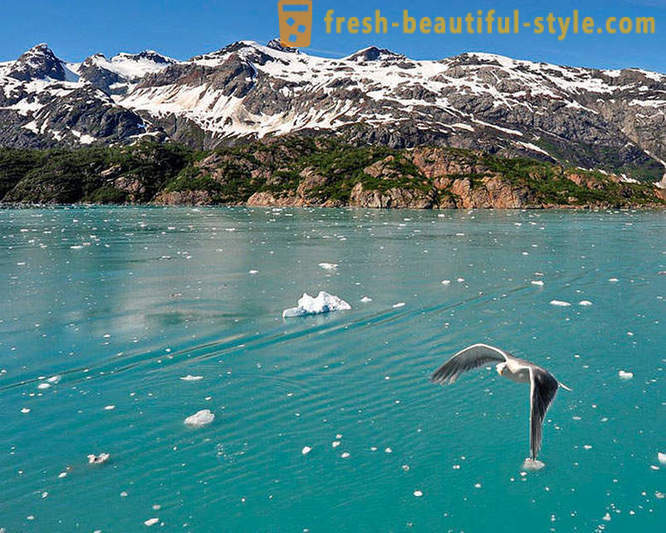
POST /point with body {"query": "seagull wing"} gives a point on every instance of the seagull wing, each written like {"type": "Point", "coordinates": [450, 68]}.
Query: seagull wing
{"type": "Point", "coordinates": [468, 359]}
{"type": "Point", "coordinates": [543, 387]}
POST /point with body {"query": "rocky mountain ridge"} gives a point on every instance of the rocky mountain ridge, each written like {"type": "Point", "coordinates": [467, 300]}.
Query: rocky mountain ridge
{"type": "Point", "coordinates": [612, 120]}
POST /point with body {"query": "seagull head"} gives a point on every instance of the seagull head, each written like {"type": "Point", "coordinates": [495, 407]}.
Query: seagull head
{"type": "Point", "coordinates": [500, 368]}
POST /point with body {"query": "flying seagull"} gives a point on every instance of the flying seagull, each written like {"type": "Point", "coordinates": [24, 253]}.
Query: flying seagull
{"type": "Point", "coordinates": [543, 386]}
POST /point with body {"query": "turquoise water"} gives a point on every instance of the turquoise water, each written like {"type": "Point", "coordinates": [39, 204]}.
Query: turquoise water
{"type": "Point", "coordinates": [123, 302]}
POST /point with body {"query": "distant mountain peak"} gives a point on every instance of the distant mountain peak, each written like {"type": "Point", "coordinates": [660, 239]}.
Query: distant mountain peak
{"type": "Point", "coordinates": [39, 62]}
{"type": "Point", "coordinates": [275, 44]}
{"type": "Point", "coordinates": [373, 53]}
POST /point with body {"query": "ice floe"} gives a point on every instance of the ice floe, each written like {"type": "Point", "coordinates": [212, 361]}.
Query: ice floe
{"type": "Point", "coordinates": [151, 521]}
{"type": "Point", "coordinates": [329, 266]}
{"type": "Point", "coordinates": [625, 375]}
{"type": "Point", "coordinates": [418, 493]}
{"type": "Point", "coordinates": [306, 450]}
{"type": "Point", "coordinates": [200, 418]}
{"type": "Point", "coordinates": [98, 459]}
{"type": "Point", "coordinates": [190, 377]}
{"type": "Point", "coordinates": [323, 303]}
{"type": "Point", "coordinates": [366, 299]}
{"type": "Point", "coordinates": [585, 303]}
{"type": "Point", "coordinates": [537, 282]}
{"type": "Point", "coordinates": [532, 464]}
{"type": "Point", "coordinates": [559, 303]}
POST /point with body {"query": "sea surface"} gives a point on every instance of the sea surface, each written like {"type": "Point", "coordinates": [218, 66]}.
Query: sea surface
{"type": "Point", "coordinates": [105, 310]}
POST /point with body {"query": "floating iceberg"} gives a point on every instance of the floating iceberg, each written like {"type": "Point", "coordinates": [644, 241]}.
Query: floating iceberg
{"type": "Point", "coordinates": [200, 418]}
{"type": "Point", "coordinates": [323, 303]}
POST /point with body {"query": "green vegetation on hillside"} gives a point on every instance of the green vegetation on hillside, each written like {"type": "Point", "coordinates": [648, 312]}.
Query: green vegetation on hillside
{"type": "Point", "coordinates": [311, 170]}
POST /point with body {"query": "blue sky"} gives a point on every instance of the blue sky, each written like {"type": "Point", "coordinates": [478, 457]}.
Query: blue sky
{"type": "Point", "coordinates": [182, 28]}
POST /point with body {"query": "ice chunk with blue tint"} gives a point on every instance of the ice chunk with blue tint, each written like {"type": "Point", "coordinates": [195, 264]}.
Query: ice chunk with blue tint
{"type": "Point", "coordinates": [323, 303]}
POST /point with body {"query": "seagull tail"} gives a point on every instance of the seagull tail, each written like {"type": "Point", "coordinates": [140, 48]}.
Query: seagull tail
{"type": "Point", "coordinates": [564, 386]}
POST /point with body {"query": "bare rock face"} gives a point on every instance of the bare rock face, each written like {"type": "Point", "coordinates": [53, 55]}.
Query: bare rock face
{"type": "Point", "coordinates": [435, 163]}
{"type": "Point", "coordinates": [268, 199]}
{"type": "Point", "coordinates": [491, 192]}
{"type": "Point", "coordinates": [134, 188]}
{"type": "Point", "coordinates": [391, 198]}
{"type": "Point", "coordinates": [198, 198]}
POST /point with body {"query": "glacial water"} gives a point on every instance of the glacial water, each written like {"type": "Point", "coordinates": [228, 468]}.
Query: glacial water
{"type": "Point", "coordinates": [104, 310]}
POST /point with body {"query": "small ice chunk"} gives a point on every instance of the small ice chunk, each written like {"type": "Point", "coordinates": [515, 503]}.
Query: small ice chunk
{"type": "Point", "coordinates": [25, 410]}
{"type": "Point", "coordinates": [253, 272]}
{"type": "Point", "coordinates": [477, 485]}
{"type": "Point", "coordinates": [366, 299]}
{"type": "Point", "coordinates": [559, 303]}
{"type": "Point", "coordinates": [54, 380]}
{"type": "Point", "coordinates": [613, 280]}
{"type": "Point", "coordinates": [537, 282]}
{"type": "Point", "coordinates": [585, 303]}
{"type": "Point", "coordinates": [446, 282]}
{"type": "Point", "coordinates": [109, 407]}
{"type": "Point", "coordinates": [151, 521]}
{"type": "Point", "coordinates": [190, 377]}
{"type": "Point", "coordinates": [323, 303]}
{"type": "Point", "coordinates": [398, 305]}
{"type": "Point", "coordinates": [606, 517]}
{"type": "Point", "coordinates": [329, 266]}
{"type": "Point", "coordinates": [587, 447]}
{"type": "Point", "coordinates": [418, 493]}
{"type": "Point", "coordinates": [533, 464]}
{"type": "Point", "coordinates": [662, 457]}
{"type": "Point", "coordinates": [388, 450]}
{"type": "Point", "coordinates": [306, 450]}
{"type": "Point", "coordinates": [625, 375]}
{"type": "Point", "coordinates": [335, 443]}
{"type": "Point", "coordinates": [200, 418]}
{"type": "Point", "coordinates": [98, 459]}
{"type": "Point", "coordinates": [64, 474]}
{"type": "Point", "coordinates": [345, 455]}
{"type": "Point", "coordinates": [43, 386]}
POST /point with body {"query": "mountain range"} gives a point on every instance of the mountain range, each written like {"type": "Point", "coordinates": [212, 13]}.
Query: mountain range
{"type": "Point", "coordinates": [612, 120]}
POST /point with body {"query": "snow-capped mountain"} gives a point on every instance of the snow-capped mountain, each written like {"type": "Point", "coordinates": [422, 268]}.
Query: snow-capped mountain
{"type": "Point", "coordinates": [605, 119]}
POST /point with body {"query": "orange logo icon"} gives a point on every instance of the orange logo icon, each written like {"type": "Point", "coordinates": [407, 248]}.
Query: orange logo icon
{"type": "Point", "coordinates": [295, 22]}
